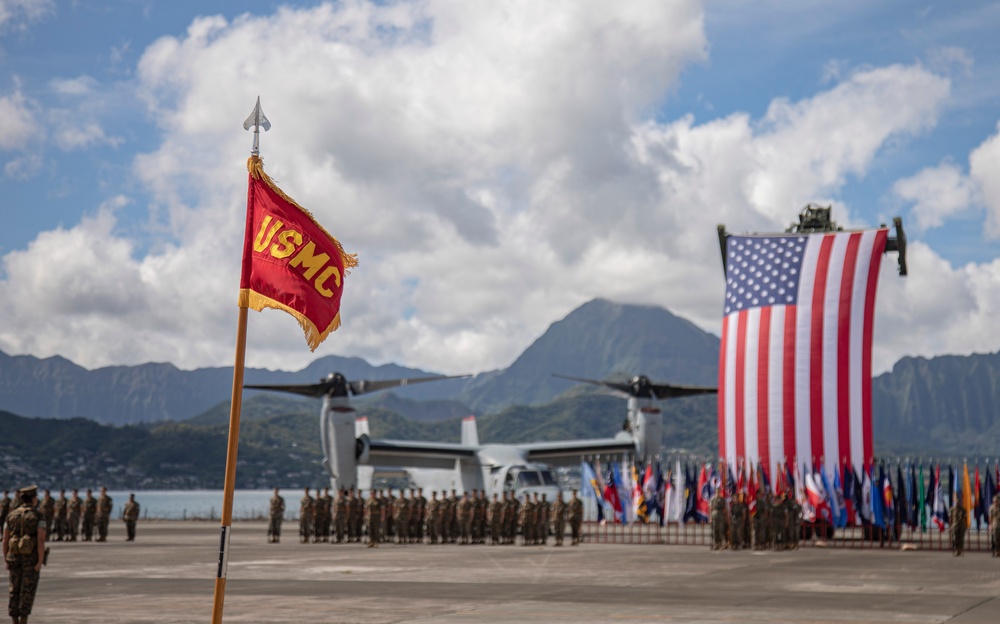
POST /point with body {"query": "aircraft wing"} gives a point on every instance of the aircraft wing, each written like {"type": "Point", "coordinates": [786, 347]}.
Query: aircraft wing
{"type": "Point", "coordinates": [569, 452]}
{"type": "Point", "coordinates": [415, 454]}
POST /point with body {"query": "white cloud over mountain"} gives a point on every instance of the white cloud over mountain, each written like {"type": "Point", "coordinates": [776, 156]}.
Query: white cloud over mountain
{"type": "Point", "coordinates": [494, 166]}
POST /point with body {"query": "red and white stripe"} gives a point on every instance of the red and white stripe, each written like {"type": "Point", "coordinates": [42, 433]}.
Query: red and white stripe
{"type": "Point", "coordinates": [795, 380]}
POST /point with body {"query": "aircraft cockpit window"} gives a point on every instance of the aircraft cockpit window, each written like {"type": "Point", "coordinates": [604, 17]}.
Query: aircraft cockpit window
{"type": "Point", "coordinates": [547, 478]}
{"type": "Point", "coordinates": [528, 479]}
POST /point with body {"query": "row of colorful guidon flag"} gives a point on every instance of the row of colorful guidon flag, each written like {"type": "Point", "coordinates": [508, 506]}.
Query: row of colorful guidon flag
{"type": "Point", "coordinates": [885, 494]}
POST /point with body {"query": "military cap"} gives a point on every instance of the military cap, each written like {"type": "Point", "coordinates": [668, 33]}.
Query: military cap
{"type": "Point", "coordinates": [30, 490]}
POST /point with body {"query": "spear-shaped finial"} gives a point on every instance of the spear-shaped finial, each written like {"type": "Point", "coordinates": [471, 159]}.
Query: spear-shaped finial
{"type": "Point", "coordinates": [257, 120]}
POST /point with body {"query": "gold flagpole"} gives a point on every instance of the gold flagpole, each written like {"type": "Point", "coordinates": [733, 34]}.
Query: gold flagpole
{"type": "Point", "coordinates": [230, 482]}
{"type": "Point", "coordinates": [256, 120]}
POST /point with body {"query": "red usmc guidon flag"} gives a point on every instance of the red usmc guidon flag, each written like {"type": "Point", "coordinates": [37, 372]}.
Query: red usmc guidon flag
{"type": "Point", "coordinates": [289, 261]}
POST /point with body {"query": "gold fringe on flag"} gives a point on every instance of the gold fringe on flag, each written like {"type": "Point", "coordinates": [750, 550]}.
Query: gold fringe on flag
{"type": "Point", "coordinates": [314, 336]}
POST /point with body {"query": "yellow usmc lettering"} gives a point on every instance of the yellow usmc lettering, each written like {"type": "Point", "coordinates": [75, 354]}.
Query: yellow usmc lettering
{"type": "Point", "coordinates": [287, 242]}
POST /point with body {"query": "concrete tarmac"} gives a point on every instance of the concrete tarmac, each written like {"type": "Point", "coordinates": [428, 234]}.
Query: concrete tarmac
{"type": "Point", "coordinates": [168, 575]}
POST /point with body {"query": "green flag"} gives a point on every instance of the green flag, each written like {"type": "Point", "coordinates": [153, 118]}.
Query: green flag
{"type": "Point", "coordinates": [921, 500]}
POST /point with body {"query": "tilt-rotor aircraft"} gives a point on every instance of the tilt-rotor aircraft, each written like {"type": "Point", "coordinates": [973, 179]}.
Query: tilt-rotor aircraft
{"type": "Point", "coordinates": [352, 458]}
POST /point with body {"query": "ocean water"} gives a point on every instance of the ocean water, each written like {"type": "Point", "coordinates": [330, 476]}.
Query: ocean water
{"type": "Point", "coordinates": [201, 504]}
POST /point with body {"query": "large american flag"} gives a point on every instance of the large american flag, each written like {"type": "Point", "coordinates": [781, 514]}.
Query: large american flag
{"type": "Point", "coordinates": [795, 360]}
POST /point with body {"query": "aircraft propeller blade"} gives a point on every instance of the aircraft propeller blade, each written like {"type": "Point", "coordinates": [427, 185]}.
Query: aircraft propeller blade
{"type": "Point", "coordinates": [364, 387]}
{"type": "Point", "coordinates": [621, 387]}
{"type": "Point", "coordinates": [315, 390]}
{"type": "Point", "coordinates": [336, 385]}
{"type": "Point", "coordinates": [667, 391]}
{"type": "Point", "coordinates": [641, 387]}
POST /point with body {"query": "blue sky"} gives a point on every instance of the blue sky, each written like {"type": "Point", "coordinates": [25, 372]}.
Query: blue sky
{"type": "Point", "coordinates": [494, 166]}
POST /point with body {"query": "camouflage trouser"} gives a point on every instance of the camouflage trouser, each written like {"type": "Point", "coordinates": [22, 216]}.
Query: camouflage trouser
{"type": "Point", "coordinates": [23, 583]}
{"type": "Point", "coordinates": [305, 527]}
{"type": "Point", "coordinates": [466, 525]}
{"type": "Point", "coordinates": [88, 529]}
{"type": "Point", "coordinates": [73, 526]}
{"type": "Point", "coordinates": [433, 529]}
{"type": "Point", "coordinates": [718, 535]}
{"type": "Point", "coordinates": [958, 541]}
{"type": "Point", "coordinates": [574, 528]}
{"type": "Point", "coordinates": [130, 530]}
{"type": "Point", "coordinates": [102, 528]}
{"type": "Point", "coordinates": [274, 529]}
{"type": "Point", "coordinates": [559, 528]}
{"type": "Point", "coordinates": [495, 531]}
{"type": "Point", "coordinates": [402, 524]}
{"type": "Point", "coordinates": [995, 545]}
{"type": "Point", "coordinates": [340, 527]}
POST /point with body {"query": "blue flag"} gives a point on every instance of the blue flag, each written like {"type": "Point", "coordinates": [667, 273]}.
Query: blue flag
{"type": "Point", "coordinates": [591, 487]}
{"type": "Point", "coordinates": [878, 508]}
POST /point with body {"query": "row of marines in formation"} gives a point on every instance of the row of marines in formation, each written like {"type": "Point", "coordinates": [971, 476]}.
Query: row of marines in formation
{"type": "Point", "coordinates": [466, 519]}
{"type": "Point", "coordinates": [777, 523]}
{"type": "Point", "coordinates": [64, 517]}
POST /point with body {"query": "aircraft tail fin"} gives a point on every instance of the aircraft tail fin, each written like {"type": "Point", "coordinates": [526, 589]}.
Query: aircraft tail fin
{"type": "Point", "coordinates": [361, 426]}
{"type": "Point", "coordinates": [470, 433]}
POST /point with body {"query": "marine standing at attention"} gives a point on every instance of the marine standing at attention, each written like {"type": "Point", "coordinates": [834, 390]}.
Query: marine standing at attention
{"type": "Point", "coordinates": [375, 513]}
{"type": "Point", "coordinates": [59, 526]}
{"type": "Point", "coordinates": [277, 514]}
{"type": "Point", "coordinates": [89, 515]}
{"type": "Point", "coordinates": [575, 518]}
{"type": "Point", "coordinates": [719, 519]}
{"type": "Point", "coordinates": [73, 509]}
{"type": "Point", "coordinates": [340, 516]}
{"type": "Point", "coordinates": [48, 509]}
{"type": "Point", "coordinates": [4, 507]}
{"type": "Point", "coordinates": [995, 526]}
{"type": "Point", "coordinates": [24, 553]}
{"type": "Point", "coordinates": [495, 519]}
{"type": "Point", "coordinates": [104, 507]}
{"type": "Point", "coordinates": [130, 515]}
{"type": "Point", "coordinates": [559, 520]}
{"type": "Point", "coordinates": [305, 517]}
{"type": "Point", "coordinates": [959, 524]}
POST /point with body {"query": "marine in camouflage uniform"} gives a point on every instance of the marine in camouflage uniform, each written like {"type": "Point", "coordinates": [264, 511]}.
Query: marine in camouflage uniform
{"type": "Point", "coordinates": [527, 521]}
{"type": "Point", "coordinates": [104, 507]}
{"type": "Point", "coordinates": [542, 512]}
{"type": "Point", "coordinates": [762, 521]}
{"type": "Point", "coordinates": [575, 518]}
{"type": "Point", "coordinates": [779, 520]}
{"type": "Point", "coordinates": [89, 515]}
{"type": "Point", "coordinates": [559, 520]}
{"type": "Point", "coordinates": [720, 521]}
{"type": "Point", "coordinates": [324, 504]}
{"type": "Point", "coordinates": [450, 520]}
{"type": "Point", "coordinates": [23, 552]}
{"type": "Point", "coordinates": [433, 519]}
{"type": "Point", "coordinates": [418, 519]}
{"type": "Point", "coordinates": [515, 517]}
{"type": "Point", "coordinates": [958, 525]}
{"type": "Point", "coordinates": [401, 518]}
{"type": "Point", "coordinates": [73, 509]}
{"type": "Point", "coordinates": [374, 515]}
{"type": "Point", "coordinates": [464, 512]}
{"type": "Point", "coordinates": [59, 526]}
{"type": "Point", "coordinates": [130, 515]}
{"type": "Point", "coordinates": [5, 503]}
{"type": "Point", "coordinates": [995, 526]}
{"type": "Point", "coordinates": [48, 509]}
{"type": "Point", "coordinates": [794, 522]}
{"type": "Point", "coordinates": [340, 516]}
{"type": "Point", "coordinates": [738, 522]}
{"type": "Point", "coordinates": [478, 516]}
{"type": "Point", "coordinates": [496, 519]}
{"type": "Point", "coordinates": [276, 515]}
{"type": "Point", "coordinates": [306, 510]}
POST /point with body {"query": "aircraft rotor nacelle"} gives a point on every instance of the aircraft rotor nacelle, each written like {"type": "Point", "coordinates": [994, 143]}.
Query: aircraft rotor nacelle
{"type": "Point", "coordinates": [645, 423]}
{"type": "Point", "coordinates": [340, 445]}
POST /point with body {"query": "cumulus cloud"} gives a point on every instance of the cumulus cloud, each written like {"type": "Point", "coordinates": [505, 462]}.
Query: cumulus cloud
{"type": "Point", "coordinates": [17, 123]}
{"type": "Point", "coordinates": [495, 165]}
{"type": "Point", "coordinates": [16, 14]}
{"type": "Point", "coordinates": [939, 193]}
{"type": "Point", "coordinates": [936, 193]}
